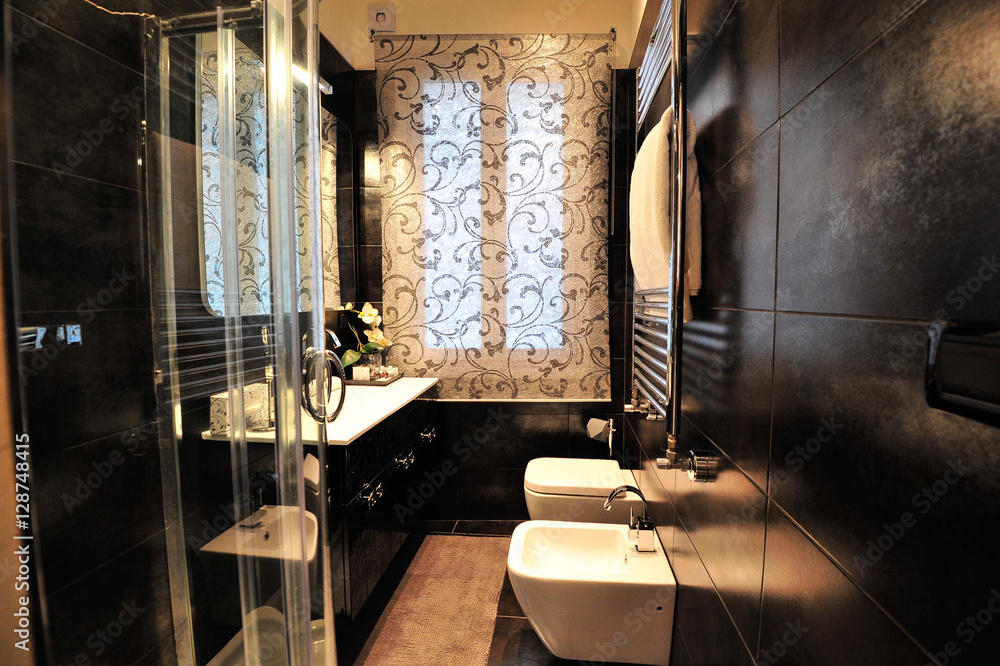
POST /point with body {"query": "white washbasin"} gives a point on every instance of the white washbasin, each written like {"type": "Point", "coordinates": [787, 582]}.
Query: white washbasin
{"type": "Point", "coordinates": [589, 595]}
{"type": "Point", "coordinates": [272, 532]}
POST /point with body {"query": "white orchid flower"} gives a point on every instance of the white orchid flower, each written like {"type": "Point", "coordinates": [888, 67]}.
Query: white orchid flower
{"type": "Point", "coordinates": [370, 314]}
{"type": "Point", "coordinates": [376, 335]}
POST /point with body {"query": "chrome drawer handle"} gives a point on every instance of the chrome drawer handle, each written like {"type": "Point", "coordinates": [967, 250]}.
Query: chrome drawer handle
{"type": "Point", "coordinates": [373, 496]}
{"type": "Point", "coordinates": [404, 461]}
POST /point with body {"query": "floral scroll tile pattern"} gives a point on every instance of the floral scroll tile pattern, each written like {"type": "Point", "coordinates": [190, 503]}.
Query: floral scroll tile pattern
{"type": "Point", "coordinates": [494, 154]}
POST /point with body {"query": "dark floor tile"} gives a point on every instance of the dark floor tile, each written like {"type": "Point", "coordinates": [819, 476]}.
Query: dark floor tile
{"type": "Point", "coordinates": [739, 228]}
{"type": "Point", "coordinates": [819, 37]}
{"type": "Point", "coordinates": [727, 369]}
{"type": "Point", "coordinates": [859, 459]}
{"type": "Point", "coordinates": [487, 527]}
{"type": "Point", "coordinates": [55, 219]}
{"type": "Point", "coordinates": [813, 614]}
{"type": "Point", "coordinates": [734, 93]}
{"type": "Point", "coordinates": [94, 129]}
{"type": "Point", "coordinates": [515, 643]}
{"type": "Point", "coordinates": [887, 196]}
{"type": "Point", "coordinates": [129, 596]}
{"type": "Point", "coordinates": [508, 606]}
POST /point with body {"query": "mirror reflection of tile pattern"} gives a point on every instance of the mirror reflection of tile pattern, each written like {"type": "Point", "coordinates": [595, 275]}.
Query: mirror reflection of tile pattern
{"type": "Point", "coordinates": [252, 187]}
{"type": "Point", "coordinates": [494, 153]}
{"type": "Point", "coordinates": [328, 209]}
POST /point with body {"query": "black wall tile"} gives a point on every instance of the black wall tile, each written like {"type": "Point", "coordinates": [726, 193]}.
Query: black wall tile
{"type": "Point", "coordinates": [739, 228]}
{"type": "Point", "coordinates": [56, 219]}
{"type": "Point", "coordinates": [734, 93]}
{"type": "Point", "coordinates": [95, 501]}
{"type": "Point", "coordinates": [117, 36]}
{"type": "Point", "coordinates": [103, 386]}
{"type": "Point", "coordinates": [855, 450]}
{"type": "Point", "coordinates": [345, 216]}
{"type": "Point", "coordinates": [813, 614]}
{"type": "Point", "coordinates": [725, 520]}
{"type": "Point", "coordinates": [370, 262]}
{"type": "Point", "coordinates": [86, 109]}
{"type": "Point", "coordinates": [492, 494]}
{"type": "Point", "coordinates": [348, 274]}
{"type": "Point", "coordinates": [700, 613]}
{"type": "Point", "coordinates": [132, 589]}
{"type": "Point", "coordinates": [726, 383]}
{"type": "Point", "coordinates": [370, 222]}
{"type": "Point", "coordinates": [819, 37]}
{"type": "Point", "coordinates": [889, 172]}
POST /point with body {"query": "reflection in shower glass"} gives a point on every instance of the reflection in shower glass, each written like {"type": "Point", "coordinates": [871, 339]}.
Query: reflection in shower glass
{"type": "Point", "coordinates": [251, 187]}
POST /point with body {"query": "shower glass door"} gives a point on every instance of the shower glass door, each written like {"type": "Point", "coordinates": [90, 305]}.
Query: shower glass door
{"type": "Point", "coordinates": [245, 382]}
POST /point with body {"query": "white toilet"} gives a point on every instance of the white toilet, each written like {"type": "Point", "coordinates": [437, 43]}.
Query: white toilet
{"type": "Point", "coordinates": [575, 489]}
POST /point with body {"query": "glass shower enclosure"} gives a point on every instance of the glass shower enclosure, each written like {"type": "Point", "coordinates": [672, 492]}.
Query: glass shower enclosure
{"type": "Point", "coordinates": [245, 383]}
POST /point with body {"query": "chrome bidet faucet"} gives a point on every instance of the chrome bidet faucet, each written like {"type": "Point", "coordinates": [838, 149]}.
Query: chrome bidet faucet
{"type": "Point", "coordinates": [641, 525]}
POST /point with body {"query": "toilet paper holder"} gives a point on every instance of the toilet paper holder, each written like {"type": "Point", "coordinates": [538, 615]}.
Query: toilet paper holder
{"type": "Point", "coordinates": [602, 430]}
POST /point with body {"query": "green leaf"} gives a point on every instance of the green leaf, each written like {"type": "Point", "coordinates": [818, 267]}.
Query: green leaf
{"type": "Point", "coordinates": [350, 357]}
{"type": "Point", "coordinates": [371, 348]}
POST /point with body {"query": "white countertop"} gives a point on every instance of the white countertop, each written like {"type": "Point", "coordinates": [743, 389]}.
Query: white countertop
{"type": "Point", "coordinates": [364, 408]}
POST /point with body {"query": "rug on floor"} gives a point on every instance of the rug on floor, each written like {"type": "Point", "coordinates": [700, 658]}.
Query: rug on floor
{"type": "Point", "coordinates": [443, 610]}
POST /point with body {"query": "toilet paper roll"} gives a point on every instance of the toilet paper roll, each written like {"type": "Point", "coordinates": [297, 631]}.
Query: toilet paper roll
{"type": "Point", "coordinates": [601, 430]}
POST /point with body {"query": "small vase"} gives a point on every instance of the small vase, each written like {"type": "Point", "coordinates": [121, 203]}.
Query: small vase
{"type": "Point", "coordinates": [369, 361]}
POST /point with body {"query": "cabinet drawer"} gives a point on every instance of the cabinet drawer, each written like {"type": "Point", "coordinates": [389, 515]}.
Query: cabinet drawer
{"type": "Point", "coordinates": [384, 445]}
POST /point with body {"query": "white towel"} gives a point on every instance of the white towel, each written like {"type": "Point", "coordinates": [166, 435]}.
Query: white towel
{"type": "Point", "coordinates": [649, 213]}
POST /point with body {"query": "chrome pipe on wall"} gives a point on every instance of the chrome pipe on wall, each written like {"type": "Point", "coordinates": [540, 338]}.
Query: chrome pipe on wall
{"type": "Point", "coordinates": [678, 195]}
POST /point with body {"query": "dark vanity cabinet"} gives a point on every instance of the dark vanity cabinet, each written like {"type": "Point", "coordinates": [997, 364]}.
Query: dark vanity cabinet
{"type": "Point", "coordinates": [371, 479]}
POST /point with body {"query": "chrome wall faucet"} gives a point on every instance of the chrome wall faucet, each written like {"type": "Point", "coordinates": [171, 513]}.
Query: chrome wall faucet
{"type": "Point", "coordinates": [642, 526]}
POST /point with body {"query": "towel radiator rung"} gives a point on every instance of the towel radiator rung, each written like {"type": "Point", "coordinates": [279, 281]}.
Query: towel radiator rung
{"type": "Point", "coordinates": [652, 331]}
{"type": "Point", "coordinates": [653, 318]}
{"type": "Point", "coordinates": [652, 359]}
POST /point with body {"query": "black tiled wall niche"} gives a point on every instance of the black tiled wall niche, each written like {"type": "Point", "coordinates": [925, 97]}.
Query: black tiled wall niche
{"type": "Point", "coordinates": [847, 161]}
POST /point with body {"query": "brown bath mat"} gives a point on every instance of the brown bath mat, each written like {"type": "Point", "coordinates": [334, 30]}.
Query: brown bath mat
{"type": "Point", "coordinates": [443, 611]}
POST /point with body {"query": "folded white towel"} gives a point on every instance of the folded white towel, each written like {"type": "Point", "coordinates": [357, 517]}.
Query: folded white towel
{"type": "Point", "coordinates": [649, 212]}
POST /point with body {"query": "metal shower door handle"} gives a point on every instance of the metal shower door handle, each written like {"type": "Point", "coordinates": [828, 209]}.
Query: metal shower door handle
{"type": "Point", "coordinates": [310, 364]}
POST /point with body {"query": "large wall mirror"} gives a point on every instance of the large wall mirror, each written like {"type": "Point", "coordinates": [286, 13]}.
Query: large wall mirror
{"type": "Point", "coordinates": [336, 183]}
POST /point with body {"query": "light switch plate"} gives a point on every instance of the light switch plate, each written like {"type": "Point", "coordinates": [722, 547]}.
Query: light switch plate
{"type": "Point", "coordinates": [382, 17]}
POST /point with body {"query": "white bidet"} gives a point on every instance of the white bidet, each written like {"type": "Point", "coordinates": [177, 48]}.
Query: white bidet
{"type": "Point", "coordinates": [589, 595]}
